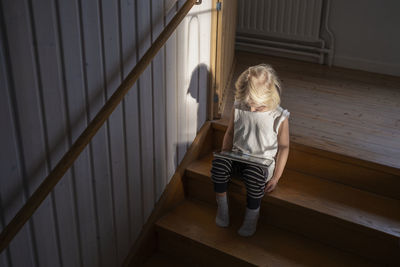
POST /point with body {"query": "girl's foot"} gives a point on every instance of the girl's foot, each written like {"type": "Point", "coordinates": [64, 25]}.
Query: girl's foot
{"type": "Point", "coordinates": [222, 218]}
{"type": "Point", "coordinates": [249, 225]}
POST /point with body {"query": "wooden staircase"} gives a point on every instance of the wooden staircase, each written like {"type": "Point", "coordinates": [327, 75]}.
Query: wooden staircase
{"type": "Point", "coordinates": [327, 210]}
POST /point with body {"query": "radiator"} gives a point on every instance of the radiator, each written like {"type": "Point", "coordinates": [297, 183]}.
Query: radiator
{"type": "Point", "coordinates": [292, 27]}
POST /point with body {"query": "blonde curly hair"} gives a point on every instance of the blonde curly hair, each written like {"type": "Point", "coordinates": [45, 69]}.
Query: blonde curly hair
{"type": "Point", "coordinates": [258, 86]}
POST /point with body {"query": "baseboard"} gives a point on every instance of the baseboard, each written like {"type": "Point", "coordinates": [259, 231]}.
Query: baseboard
{"type": "Point", "coordinates": [366, 65]}
{"type": "Point", "coordinates": [266, 51]}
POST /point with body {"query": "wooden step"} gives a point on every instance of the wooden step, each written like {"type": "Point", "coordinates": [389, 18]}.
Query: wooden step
{"type": "Point", "coordinates": [345, 217]}
{"type": "Point", "coordinates": [368, 176]}
{"type": "Point", "coordinates": [163, 259]}
{"type": "Point", "coordinates": [190, 231]}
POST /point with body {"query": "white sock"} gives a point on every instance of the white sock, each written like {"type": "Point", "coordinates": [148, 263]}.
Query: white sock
{"type": "Point", "coordinates": [222, 218]}
{"type": "Point", "coordinates": [249, 225]}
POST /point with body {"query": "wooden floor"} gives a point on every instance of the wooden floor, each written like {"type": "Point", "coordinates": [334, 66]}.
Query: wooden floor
{"type": "Point", "coordinates": [350, 112]}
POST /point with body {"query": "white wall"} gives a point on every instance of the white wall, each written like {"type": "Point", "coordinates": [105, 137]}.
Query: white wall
{"type": "Point", "coordinates": [367, 34]}
{"type": "Point", "coordinates": [59, 62]}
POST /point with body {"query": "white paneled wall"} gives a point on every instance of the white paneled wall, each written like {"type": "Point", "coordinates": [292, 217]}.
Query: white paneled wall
{"type": "Point", "coordinates": [59, 62]}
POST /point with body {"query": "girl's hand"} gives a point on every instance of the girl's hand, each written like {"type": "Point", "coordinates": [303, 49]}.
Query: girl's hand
{"type": "Point", "coordinates": [270, 186]}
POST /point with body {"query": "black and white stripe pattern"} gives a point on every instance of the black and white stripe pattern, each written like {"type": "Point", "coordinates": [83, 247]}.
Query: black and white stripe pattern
{"type": "Point", "coordinates": [254, 177]}
{"type": "Point", "coordinates": [221, 170]}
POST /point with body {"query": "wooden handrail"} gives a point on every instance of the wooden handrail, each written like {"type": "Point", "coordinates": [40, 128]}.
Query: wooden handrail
{"type": "Point", "coordinates": [68, 159]}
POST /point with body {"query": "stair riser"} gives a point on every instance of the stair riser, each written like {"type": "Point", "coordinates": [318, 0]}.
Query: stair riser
{"type": "Point", "coordinates": [327, 230]}
{"type": "Point", "coordinates": [314, 225]}
{"type": "Point", "coordinates": [334, 167]}
{"type": "Point", "coordinates": [345, 173]}
{"type": "Point", "coordinates": [193, 253]}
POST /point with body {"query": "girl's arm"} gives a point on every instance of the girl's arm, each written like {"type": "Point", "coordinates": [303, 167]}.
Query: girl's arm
{"type": "Point", "coordinates": [281, 159]}
{"type": "Point", "coordinates": [228, 137]}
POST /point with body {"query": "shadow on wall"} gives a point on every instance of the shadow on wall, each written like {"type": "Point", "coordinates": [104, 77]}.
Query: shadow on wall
{"type": "Point", "coordinates": [195, 108]}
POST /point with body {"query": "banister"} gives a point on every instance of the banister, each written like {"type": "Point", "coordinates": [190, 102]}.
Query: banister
{"type": "Point", "coordinates": [72, 154]}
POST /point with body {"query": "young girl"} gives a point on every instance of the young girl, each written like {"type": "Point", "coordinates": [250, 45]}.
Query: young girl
{"type": "Point", "coordinates": [258, 127]}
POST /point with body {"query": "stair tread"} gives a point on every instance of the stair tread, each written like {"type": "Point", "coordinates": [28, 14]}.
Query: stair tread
{"type": "Point", "coordinates": [349, 204]}
{"type": "Point", "coordinates": [270, 245]}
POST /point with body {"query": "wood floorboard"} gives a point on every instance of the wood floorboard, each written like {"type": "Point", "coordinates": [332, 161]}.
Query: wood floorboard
{"type": "Point", "coordinates": [351, 112]}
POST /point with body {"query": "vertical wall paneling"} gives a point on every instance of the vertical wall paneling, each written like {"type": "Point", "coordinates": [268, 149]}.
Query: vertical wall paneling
{"type": "Point", "coordinates": [50, 69]}
{"type": "Point", "coordinates": [59, 62]}
{"type": "Point", "coordinates": [21, 36]}
{"type": "Point", "coordinates": [192, 78]}
{"type": "Point", "coordinates": [11, 159]}
{"type": "Point", "coordinates": [132, 134]}
{"type": "Point", "coordinates": [93, 63]}
{"type": "Point", "coordinates": [146, 109]}
{"type": "Point", "coordinates": [75, 98]}
{"type": "Point", "coordinates": [181, 32]}
{"type": "Point", "coordinates": [112, 71]}
{"type": "Point", "coordinates": [12, 193]}
{"type": "Point", "coordinates": [171, 99]}
{"type": "Point", "coordinates": [204, 51]}
{"type": "Point", "coordinates": [160, 170]}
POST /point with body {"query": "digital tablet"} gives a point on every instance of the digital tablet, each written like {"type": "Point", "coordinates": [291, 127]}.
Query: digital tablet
{"type": "Point", "coordinates": [238, 156]}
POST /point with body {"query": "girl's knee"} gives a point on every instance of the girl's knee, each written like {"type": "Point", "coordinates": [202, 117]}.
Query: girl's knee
{"type": "Point", "coordinates": [221, 167]}
{"type": "Point", "coordinates": [255, 171]}
{"type": "Point", "coordinates": [255, 180]}
{"type": "Point", "coordinates": [221, 173]}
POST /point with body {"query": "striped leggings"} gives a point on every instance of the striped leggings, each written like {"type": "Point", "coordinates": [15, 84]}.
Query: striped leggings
{"type": "Point", "coordinates": [254, 179]}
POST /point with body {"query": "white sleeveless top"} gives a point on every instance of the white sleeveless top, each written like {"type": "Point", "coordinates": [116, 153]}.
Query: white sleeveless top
{"type": "Point", "coordinates": [256, 133]}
